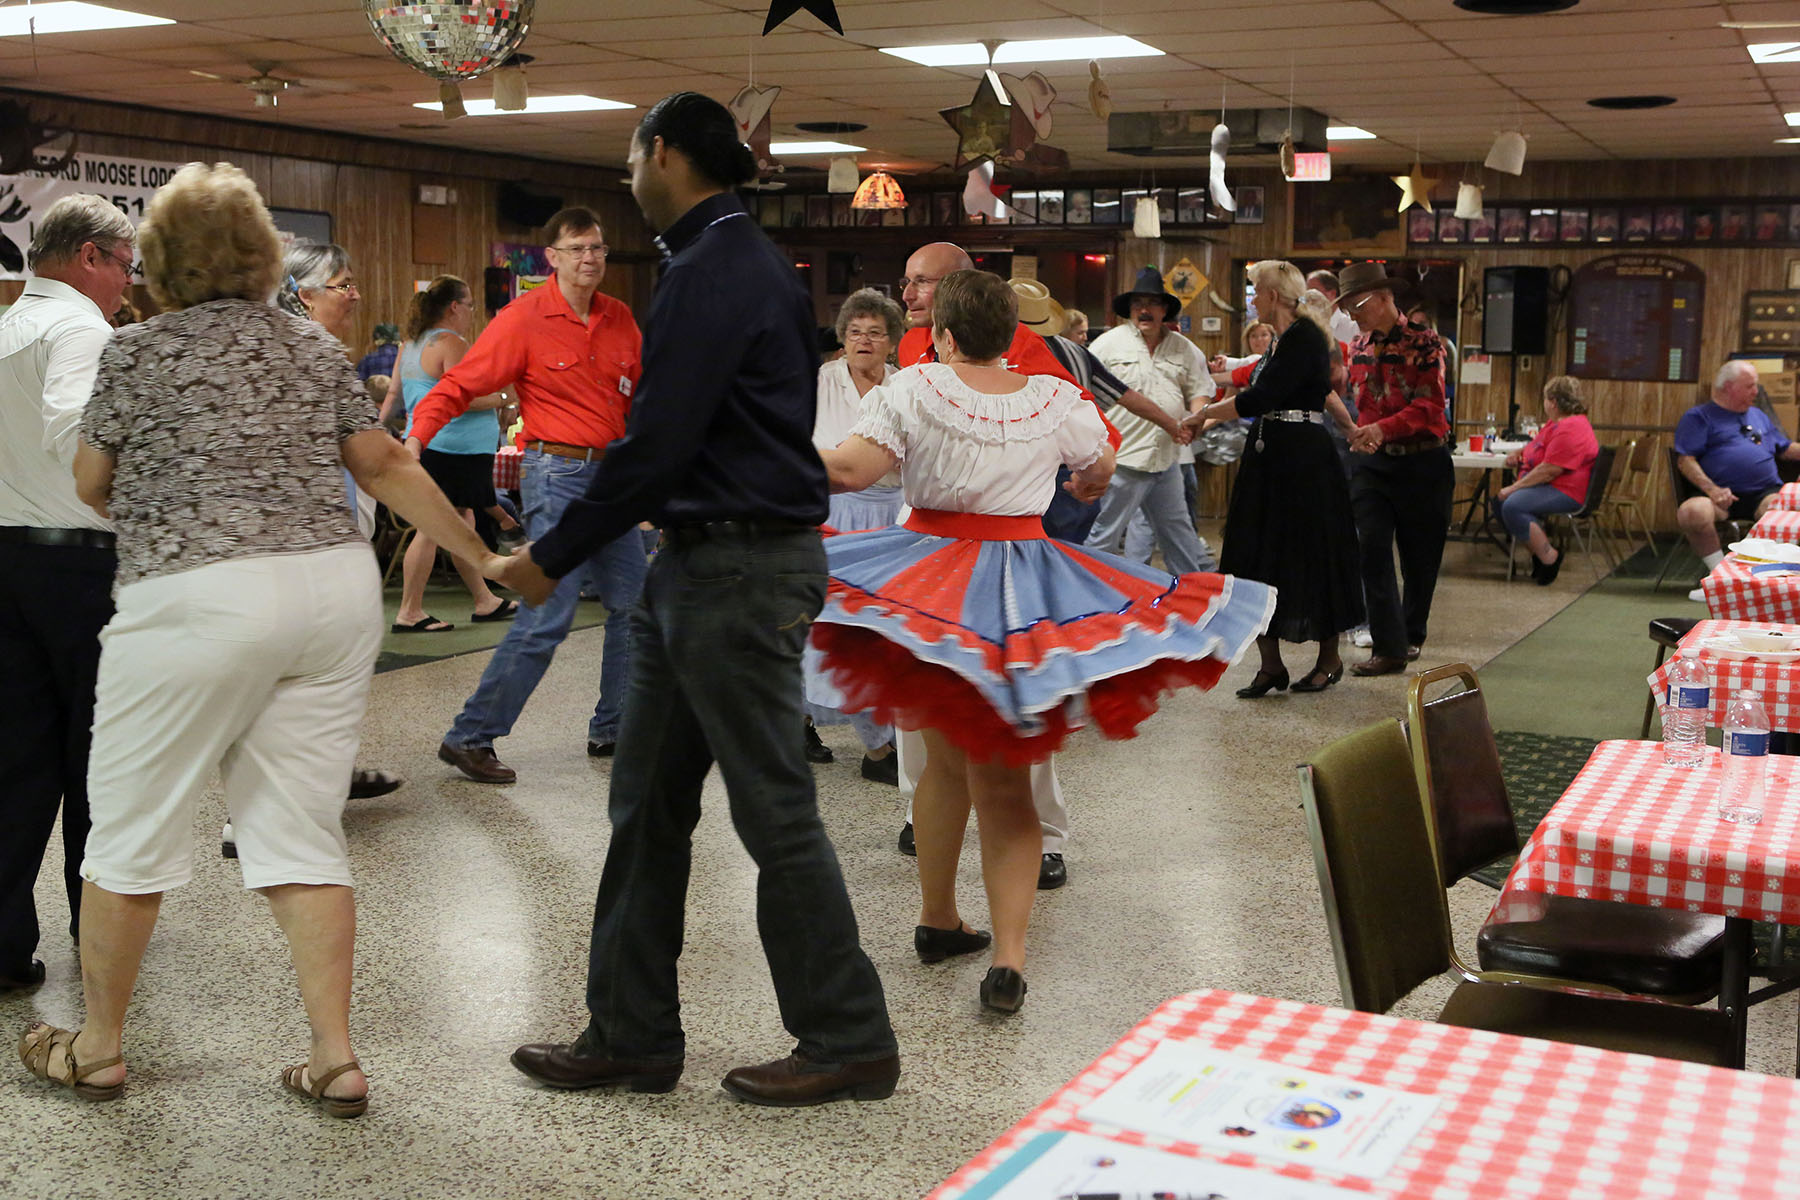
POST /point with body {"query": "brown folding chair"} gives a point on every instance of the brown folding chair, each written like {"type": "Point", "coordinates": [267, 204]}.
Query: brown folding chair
{"type": "Point", "coordinates": [1390, 925]}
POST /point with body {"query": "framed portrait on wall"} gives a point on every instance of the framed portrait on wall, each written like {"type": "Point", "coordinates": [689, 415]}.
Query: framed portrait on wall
{"type": "Point", "coordinates": [1636, 223]}
{"type": "Point", "coordinates": [1481, 229]}
{"type": "Point", "coordinates": [1771, 223]}
{"type": "Point", "coordinates": [1451, 229]}
{"type": "Point", "coordinates": [793, 211]}
{"type": "Point", "coordinates": [1541, 228]}
{"type": "Point", "coordinates": [945, 206]}
{"type": "Point", "coordinates": [1190, 206]}
{"type": "Point", "coordinates": [1106, 207]}
{"type": "Point", "coordinates": [1604, 227]}
{"type": "Point", "coordinates": [841, 213]}
{"type": "Point", "coordinates": [1050, 206]}
{"type": "Point", "coordinates": [1421, 226]}
{"type": "Point", "coordinates": [1734, 223]}
{"type": "Point", "coordinates": [1078, 206]}
{"type": "Point", "coordinates": [1351, 212]}
{"type": "Point", "coordinates": [1572, 225]}
{"type": "Point", "coordinates": [1512, 226]}
{"type": "Point", "coordinates": [818, 212]}
{"type": "Point", "coordinates": [918, 208]}
{"type": "Point", "coordinates": [1671, 223]}
{"type": "Point", "coordinates": [1024, 205]}
{"type": "Point", "coordinates": [1703, 224]}
{"type": "Point", "coordinates": [1249, 206]}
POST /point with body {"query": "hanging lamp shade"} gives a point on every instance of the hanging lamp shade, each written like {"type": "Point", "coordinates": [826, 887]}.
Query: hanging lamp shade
{"type": "Point", "coordinates": [842, 176]}
{"type": "Point", "coordinates": [879, 191]}
{"type": "Point", "coordinates": [1468, 201]}
{"type": "Point", "coordinates": [1146, 218]}
{"type": "Point", "coordinates": [1508, 153]}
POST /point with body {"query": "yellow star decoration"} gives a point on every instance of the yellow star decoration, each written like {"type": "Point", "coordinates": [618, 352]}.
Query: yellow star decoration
{"type": "Point", "coordinates": [1415, 188]}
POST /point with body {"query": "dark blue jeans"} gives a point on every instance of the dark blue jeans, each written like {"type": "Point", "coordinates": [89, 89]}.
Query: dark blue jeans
{"type": "Point", "coordinates": [715, 677]}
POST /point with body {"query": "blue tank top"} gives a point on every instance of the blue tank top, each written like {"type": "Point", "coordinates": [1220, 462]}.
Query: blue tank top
{"type": "Point", "coordinates": [471, 433]}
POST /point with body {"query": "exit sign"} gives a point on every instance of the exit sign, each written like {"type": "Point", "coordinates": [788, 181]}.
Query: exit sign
{"type": "Point", "coordinates": [1312, 167]}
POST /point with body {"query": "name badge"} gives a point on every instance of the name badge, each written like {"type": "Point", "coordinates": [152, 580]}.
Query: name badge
{"type": "Point", "coordinates": [625, 385]}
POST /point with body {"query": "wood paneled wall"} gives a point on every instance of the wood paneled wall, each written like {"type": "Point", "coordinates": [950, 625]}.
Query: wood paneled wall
{"type": "Point", "coordinates": [370, 188]}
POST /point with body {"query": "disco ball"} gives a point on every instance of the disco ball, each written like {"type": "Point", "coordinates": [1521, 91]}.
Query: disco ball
{"type": "Point", "coordinates": [451, 39]}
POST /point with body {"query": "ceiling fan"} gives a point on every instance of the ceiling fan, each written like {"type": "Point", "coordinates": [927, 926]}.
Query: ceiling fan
{"type": "Point", "coordinates": [266, 86]}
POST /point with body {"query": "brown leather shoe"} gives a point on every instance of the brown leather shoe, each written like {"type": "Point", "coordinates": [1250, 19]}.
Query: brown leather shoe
{"type": "Point", "coordinates": [1379, 664]}
{"type": "Point", "coordinates": [479, 763]}
{"type": "Point", "coordinates": [796, 1082]}
{"type": "Point", "coordinates": [1413, 652]}
{"type": "Point", "coordinates": [557, 1065]}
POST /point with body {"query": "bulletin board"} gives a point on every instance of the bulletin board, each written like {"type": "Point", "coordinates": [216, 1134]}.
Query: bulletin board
{"type": "Point", "coordinates": [1636, 317]}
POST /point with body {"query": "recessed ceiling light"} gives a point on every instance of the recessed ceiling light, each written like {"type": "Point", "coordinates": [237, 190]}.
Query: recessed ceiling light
{"type": "Point", "coordinates": [830, 126]}
{"type": "Point", "coordinates": [535, 106]}
{"type": "Point", "coordinates": [1347, 133]}
{"type": "Point", "coordinates": [1630, 102]}
{"type": "Point", "coordinates": [1516, 8]}
{"type": "Point", "coordinates": [1774, 52]}
{"type": "Point", "coordinates": [814, 148]}
{"type": "Point", "coordinates": [974, 54]}
{"type": "Point", "coordinates": [70, 16]}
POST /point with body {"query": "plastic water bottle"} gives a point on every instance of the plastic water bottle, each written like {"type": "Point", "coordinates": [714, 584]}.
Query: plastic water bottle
{"type": "Point", "coordinates": [1684, 720]}
{"type": "Point", "coordinates": [1746, 759]}
{"type": "Point", "coordinates": [1490, 435]}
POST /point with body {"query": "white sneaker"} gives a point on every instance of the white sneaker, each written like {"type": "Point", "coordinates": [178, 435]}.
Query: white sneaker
{"type": "Point", "coordinates": [1361, 639]}
{"type": "Point", "coordinates": [1698, 595]}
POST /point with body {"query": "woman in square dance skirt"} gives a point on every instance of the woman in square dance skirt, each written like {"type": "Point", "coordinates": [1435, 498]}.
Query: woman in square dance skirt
{"type": "Point", "coordinates": [968, 623]}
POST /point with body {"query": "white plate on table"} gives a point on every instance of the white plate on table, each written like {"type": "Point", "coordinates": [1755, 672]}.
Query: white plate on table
{"type": "Point", "coordinates": [1766, 550]}
{"type": "Point", "coordinates": [1726, 646]}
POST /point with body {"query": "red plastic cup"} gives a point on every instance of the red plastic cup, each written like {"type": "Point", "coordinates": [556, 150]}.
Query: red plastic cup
{"type": "Point", "coordinates": [1475, 440]}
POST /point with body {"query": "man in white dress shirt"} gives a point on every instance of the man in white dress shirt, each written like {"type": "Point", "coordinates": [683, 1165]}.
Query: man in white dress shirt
{"type": "Point", "coordinates": [1171, 371]}
{"type": "Point", "coordinates": [56, 556]}
{"type": "Point", "coordinates": [1343, 328]}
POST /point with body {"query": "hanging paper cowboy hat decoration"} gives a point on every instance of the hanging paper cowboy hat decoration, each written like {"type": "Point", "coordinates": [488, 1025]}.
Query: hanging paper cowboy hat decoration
{"type": "Point", "coordinates": [1358, 279]}
{"type": "Point", "coordinates": [1149, 282]}
{"type": "Point", "coordinates": [1038, 312]}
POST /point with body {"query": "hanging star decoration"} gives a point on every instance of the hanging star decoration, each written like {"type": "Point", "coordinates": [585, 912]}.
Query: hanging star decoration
{"type": "Point", "coordinates": [1415, 188]}
{"type": "Point", "coordinates": [983, 127]}
{"type": "Point", "coordinates": [750, 109]}
{"type": "Point", "coordinates": [825, 10]}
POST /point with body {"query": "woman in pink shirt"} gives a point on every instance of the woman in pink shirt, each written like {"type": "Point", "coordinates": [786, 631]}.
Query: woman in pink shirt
{"type": "Point", "coordinates": [1555, 466]}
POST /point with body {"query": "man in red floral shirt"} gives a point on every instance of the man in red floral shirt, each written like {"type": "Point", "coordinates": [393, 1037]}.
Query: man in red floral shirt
{"type": "Point", "coordinates": [1401, 487]}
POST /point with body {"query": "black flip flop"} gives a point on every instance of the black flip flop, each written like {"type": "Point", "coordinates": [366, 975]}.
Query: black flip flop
{"type": "Point", "coordinates": [507, 611]}
{"type": "Point", "coordinates": [425, 625]}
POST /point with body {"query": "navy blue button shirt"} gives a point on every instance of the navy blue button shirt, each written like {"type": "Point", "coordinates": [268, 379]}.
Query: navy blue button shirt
{"type": "Point", "coordinates": [721, 426]}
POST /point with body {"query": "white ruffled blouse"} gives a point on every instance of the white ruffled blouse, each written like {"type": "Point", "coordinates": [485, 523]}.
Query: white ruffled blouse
{"type": "Point", "coordinates": [961, 450]}
{"type": "Point", "coordinates": [840, 407]}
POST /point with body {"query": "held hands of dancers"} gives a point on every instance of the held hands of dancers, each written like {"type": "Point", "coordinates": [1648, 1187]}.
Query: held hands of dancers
{"type": "Point", "coordinates": [1367, 439]}
{"type": "Point", "coordinates": [1089, 483]}
{"type": "Point", "coordinates": [521, 573]}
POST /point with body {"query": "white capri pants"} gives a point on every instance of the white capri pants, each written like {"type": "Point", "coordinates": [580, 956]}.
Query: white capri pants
{"type": "Point", "coordinates": [259, 667]}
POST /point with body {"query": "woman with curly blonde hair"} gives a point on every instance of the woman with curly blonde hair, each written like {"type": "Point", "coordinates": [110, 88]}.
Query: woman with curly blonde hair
{"type": "Point", "coordinates": [249, 617]}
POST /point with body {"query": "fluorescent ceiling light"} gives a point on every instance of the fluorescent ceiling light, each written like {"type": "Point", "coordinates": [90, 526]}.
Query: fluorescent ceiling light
{"type": "Point", "coordinates": [67, 16]}
{"type": "Point", "coordinates": [1774, 52]}
{"type": "Point", "coordinates": [1347, 133]}
{"type": "Point", "coordinates": [1793, 141]}
{"type": "Point", "coordinates": [814, 148]}
{"type": "Point", "coordinates": [536, 105]}
{"type": "Point", "coordinates": [1793, 118]}
{"type": "Point", "coordinates": [974, 54]}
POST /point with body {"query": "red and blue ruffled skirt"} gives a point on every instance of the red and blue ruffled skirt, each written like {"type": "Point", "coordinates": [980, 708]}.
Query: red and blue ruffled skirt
{"type": "Point", "coordinates": [1006, 641]}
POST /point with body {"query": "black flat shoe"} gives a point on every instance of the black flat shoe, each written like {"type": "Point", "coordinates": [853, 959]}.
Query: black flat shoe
{"type": "Point", "coordinates": [935, 945]}
{"type": "Point", "coordinates": [1263, 684]}
{"type": "Point", "coordinates": [1318, 681]}
{"type": "Point", "coordinates": [1545, 573]}
{"type": "Point", "coordinates": [1003, 990]}
{"type": "Point", "coordinates": [816, 750]}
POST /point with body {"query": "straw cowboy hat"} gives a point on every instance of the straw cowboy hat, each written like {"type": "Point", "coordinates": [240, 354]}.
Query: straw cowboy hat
{"type": "Point", "coordinates": [1037, 311]}
{"type": "Point", "coordinates": [1149, 282]}
{"type": "Point", "coordinates": [1358, 278]}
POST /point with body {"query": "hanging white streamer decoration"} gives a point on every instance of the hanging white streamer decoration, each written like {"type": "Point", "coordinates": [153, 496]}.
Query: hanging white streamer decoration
{"type": "Point", "coordinates": [1221, 142]}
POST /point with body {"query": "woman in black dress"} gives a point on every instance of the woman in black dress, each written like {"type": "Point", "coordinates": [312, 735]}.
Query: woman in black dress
{"type": "Point", "coordinates": [1289, 523]}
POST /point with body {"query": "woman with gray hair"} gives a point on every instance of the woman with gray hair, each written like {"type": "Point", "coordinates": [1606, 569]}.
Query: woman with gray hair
{"type": "Point", "coordinates": [1557, 463]}
{"type": "Point", "coordinates": [249, 617]}
{"type": "Point", "coordinates": [1289, 522]}
{"type": "Point", "coordinates": [869, 325]}
{"type": "Point", "coordinates": [320, 286]}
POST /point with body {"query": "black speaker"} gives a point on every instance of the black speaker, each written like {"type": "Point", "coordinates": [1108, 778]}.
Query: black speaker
{"type": "Point", "coordinates": [520, 207]}
{"type": "Point", "coordinates": [496, 288]}
{"type": "Point", "coordinates": [1516, 315]}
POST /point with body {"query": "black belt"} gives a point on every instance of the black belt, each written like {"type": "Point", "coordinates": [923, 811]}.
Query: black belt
{"type": "Point", "coordinates": [91, 539]}
{"type": "Point", "coordinates": [702, 530]}
{"type": "Point", "coordinates": [1401, 449]}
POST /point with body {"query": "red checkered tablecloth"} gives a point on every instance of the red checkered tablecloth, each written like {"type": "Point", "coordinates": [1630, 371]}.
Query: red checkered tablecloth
{"type": "Point", "coordinates": [1788, 498]}
{"type": "Point", "coordinates": [1779, 682]}
{"type": "Point", "coordinates": [1633, 830]}
{"type": "Point", "coordinates": [1517, 1117]}
{"type": "Point", "coordinates": [1778, 525]}
{"type": "Point", "coordinates": [506, 468]}
{"type": "Point", "coordinates": [1733, 593]}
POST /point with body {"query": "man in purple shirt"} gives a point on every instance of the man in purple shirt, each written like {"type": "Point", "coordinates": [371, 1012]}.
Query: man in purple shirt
{"type": "Point", "coordinates": [1727, 449]}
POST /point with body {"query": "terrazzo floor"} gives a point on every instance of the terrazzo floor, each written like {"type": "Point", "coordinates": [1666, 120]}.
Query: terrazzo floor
{"type": "Point", "coordinates": [1189, 868]}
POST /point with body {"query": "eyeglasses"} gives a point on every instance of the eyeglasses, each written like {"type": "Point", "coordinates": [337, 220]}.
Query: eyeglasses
{"type": "Point", "coordinates": [1750, 433]}
{"type": "Point", "coordinates": [342, 289]}
{"type": "Point", "coordinates": [124, 264]}
{"type": "Point", "coordinates": [922, 282]}
{"type": "Point", "coordinates": [866, 335]}
{"type": "Point", "coordinates": [586, 250]}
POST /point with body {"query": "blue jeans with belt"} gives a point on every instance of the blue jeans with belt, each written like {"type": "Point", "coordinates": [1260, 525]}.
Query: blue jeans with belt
{"type": "Point", "coordinates": [715, 678]}
{"type": "Point", "coordinates": [548, 484]}
{"type": "Point", "coordinates": [1529, 506]}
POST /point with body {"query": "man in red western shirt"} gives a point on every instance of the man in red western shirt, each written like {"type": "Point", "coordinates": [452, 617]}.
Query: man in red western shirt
{"type": "Point", "coordinates": [570, 354]}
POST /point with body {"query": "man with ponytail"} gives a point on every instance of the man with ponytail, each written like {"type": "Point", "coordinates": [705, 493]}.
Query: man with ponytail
{"type": "Point", "coordinates": [719, 453]}
{"type": "Point", "coordinates": [570, 354]}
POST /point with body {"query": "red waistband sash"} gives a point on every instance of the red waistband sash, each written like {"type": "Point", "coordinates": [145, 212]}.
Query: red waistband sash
{"type": "Point", "coordinates": [979, 527]}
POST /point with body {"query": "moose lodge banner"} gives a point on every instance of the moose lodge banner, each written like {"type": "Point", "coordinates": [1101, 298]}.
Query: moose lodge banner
{"type": "Point", "coordinates": [128, 183]}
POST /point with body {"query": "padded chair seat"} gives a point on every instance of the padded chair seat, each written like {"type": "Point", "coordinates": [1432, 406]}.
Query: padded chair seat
{"type": "Point", "coordinates": [1668, 631]}
{"type": "Point", "coordinates": [1628, 1026]}
{"type": "Point", "coordinates": [1650, 951]}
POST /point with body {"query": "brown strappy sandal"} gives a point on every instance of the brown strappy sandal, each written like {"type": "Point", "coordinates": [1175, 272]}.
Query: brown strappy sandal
{"type": "Point", "coordinates": [333, 1106]}
{"type": "Point", "coordinates": [35, 1045]}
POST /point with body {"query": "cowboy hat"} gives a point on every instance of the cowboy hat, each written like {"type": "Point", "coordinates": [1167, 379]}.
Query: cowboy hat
{"type": "Point", "coordinates": [1358, 278]}
{"type": "Point", "coordinates": [1149, 282]}
{"type": "Point", "coordinates": [1037, 311]}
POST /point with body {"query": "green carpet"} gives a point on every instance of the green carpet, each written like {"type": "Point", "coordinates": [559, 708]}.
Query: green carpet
{"type": "Point", "coordinates": [450, 603]}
